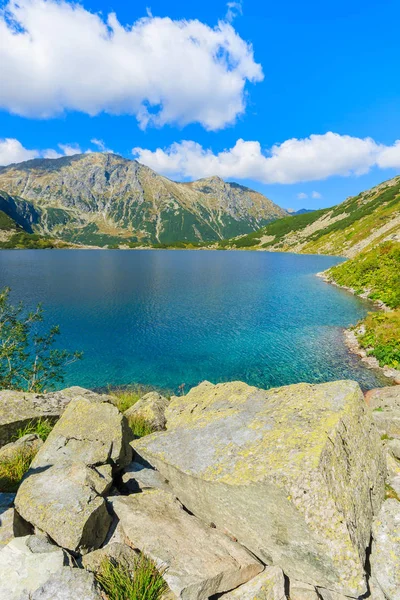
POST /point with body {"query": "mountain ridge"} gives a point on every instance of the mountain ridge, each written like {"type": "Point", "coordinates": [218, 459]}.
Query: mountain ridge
{"type": "Point", "coordinates": [102, 198]}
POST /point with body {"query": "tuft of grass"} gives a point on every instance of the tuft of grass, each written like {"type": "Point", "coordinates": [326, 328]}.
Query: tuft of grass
{"type": "Point", "coordinates": [42, 428]}
{"type": "Point", "coordinates": [140, 427]}
{"type": "Point", "coordinates": [126, 398]}
{"type": "Point", "coordinates": [391, 493]}
{"type": "Point", "coordinates": [378, 409]}
{"type": "Point", "coordinates": [145, 582]}
{"type": "Point", "coordinates": [13, 469]}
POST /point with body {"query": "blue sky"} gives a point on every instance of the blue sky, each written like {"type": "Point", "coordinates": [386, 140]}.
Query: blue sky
{"type": "Point", "coordinates": [279, 76]}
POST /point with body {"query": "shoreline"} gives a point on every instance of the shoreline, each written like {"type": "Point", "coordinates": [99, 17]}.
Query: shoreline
{"type": "Point", "coordinates": [350, 337]}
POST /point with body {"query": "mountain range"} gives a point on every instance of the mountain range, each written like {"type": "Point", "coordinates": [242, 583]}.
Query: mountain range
{"type": "Point", "coordinates": [101, 199]}
{"type": "Point", "coordinates": [359, 223]}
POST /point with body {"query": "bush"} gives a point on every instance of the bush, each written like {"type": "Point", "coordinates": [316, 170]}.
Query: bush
{"type": "Point", "coordinates": [13, 468]}
{"type": "Point", "coordinates": [382, 337]}
{"type": "Point", "coordinates": [145, 582]}
{"type": "Point", "coordinates": [28, 360]}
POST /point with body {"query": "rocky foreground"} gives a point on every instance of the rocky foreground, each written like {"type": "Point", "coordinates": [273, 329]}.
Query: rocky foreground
{"type": "Point", "coordinates": [291, 493]}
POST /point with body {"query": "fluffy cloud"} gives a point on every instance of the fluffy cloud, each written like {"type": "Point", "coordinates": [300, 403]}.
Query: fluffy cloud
{"type": "Point", "coordinates": [316, 195]}
{"type": "Point", "coordinates": [12, 151]}
{"type": "Point", "coordinates": [56, 56]}
{"type": "Point", "coordinates": [310, 159]}
{"type": "Point", "coordinates": [302, 196]}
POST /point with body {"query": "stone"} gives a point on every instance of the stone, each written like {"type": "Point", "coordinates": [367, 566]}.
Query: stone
{"type": "Point", "coordinates": [330, 595]}
{"type": "Point", "coordinates": [375, 591]}
{"type": "Point", "coordinates": [68, 584]}
{"type": "Point", "coordinates": [62, 501]}
{"type": "Point", "coordinates": [18, 409]}
{"type": "Point", "coordinates": [385, 406]}
{"type": "Point", "coordinates": [385, 555]}
{"type": "Point", "coordinates": [152, 408]}
{"type": "Point", "coordinates": [269, 585]}
{"type": "Point", "coordinates": [302, 591]}
{"type": "Point", "coordinates": [27, 443]}
{"type": "Point", "coordinates": [199, 561]}
{"type": "Point", "coordinates": [138, 478]}
{"type": "Point", "coordinates": [277, 469]}
{"type": "Point", "coordinates": [11, 524]}
{"type": "Point", "coordinates": [394, 447]}
{"type": "Point", "coordinates": [25, 564]}
{"type": "Point", "coordinates": [120, 553]}
{"type": "Point", "coordinates": [94, 433]}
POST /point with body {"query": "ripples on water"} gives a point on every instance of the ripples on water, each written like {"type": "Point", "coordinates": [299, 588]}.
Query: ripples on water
{"type": "Point", "coordinates": [170, 317]}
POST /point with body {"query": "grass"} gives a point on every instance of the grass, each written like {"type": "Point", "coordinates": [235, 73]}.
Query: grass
{"type": "Point", "coordinates": [140, 427]}
{"type": "Point", "coordinates": [391, 493]}
{"type": "Point", "coordinates": [125, 398]}
{"type": "Point", "coordinates": [42, 428]}
{"type": "Point", "coordinates": [145, 582]}
{"type": "Point", "coordinates": [382, 337]}
{"type": "Point", "coordinates": [12, 469]}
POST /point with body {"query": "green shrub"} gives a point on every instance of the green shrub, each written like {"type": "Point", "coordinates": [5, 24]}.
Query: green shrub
{"type": "Point", "coordinates": [145, 582]}
{"type": "Point", "coordinates": [13, 468]}
{"type": "Point", "coordinates": [125, 398]}
{"type": "Point", "coordinates": [382, 337]}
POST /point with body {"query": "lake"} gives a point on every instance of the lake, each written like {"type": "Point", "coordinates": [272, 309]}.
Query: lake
{"type": "Point", "coordinates": [166, 318]}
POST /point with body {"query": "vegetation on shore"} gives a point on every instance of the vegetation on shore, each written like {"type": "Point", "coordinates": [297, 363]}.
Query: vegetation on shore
{"type": "Point", "coordinates": [14, 467]}
{"type": "Point", "coordinates": [376, 274]}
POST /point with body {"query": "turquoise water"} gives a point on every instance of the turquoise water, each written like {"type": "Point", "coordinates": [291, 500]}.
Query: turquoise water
{"type": "Point", "coordinates": [165, 318]}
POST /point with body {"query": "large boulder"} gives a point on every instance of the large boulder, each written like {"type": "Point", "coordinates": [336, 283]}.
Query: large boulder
{"type": "Point", "coordinates": [151, 408]}
{"type": "Point", "coordinates": [385, 555]}
{"type": "Point", "coordinates": [385, 406]}
{"type": "Point", "coordinates": [269, 585]}
{"type": "Point", "coordinates": [296, 473]}
{"type": "Point", "coordinates": [62, 493]}
{"type": "Point", "coordinates": [68, 584]}
{"type": "Point", "coordinates": [17, 409]}
{"type": "Point", "coordinates": [26, 563]}
{"type": "Point", "coordinates": [199, 561]}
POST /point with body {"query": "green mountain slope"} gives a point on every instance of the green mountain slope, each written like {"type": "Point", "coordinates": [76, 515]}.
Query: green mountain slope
{"type": "Point", "coordinates": [101, 199]}
{"type": "Point", "coordinates": [358, 223]}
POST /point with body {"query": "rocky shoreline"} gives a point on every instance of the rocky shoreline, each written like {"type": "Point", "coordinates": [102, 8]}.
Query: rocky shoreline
{"type": "Point", "coordinates": [350, 336]}
{"type": "Point", "coordinates": [241, 493]}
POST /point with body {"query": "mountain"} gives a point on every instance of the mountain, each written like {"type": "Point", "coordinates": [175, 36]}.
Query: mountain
{"type": "Point", "coordinates": [101, 198]}
{"type": "Point", "coordinates": [358, 223]}
{"type": "Point", "coordinates": [302, 211]}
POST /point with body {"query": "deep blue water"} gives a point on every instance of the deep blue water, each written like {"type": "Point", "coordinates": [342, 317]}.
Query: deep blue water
{"type": "Point", "coordinates": [165, 318]}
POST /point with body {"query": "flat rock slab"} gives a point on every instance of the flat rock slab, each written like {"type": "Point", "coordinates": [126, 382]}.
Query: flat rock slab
{"type": "Point", "coordinates": [138, 478]}
{"type": "Point", "coordinates": [385, 556]}
{"type": "Point", "coordinates": [115, 551]}
{"type": "Point", "coordinates": [269, 585]}
{"type": "Point", "coordinates": [17, 409]}
{"type": "Point", "coordinates": [199, 561]}
{"type": "Point", "coordinates": [25, 564]}
{"type": "Point", "coordinates": [62, 501]}
{"type": "Point", "coordinates": [68, 584]}
{"type": "Point", "coordinates": [278, 469]}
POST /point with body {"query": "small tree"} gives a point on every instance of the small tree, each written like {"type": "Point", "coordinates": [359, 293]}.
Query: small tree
{"type": "Point", "coordinates": [28, 360]}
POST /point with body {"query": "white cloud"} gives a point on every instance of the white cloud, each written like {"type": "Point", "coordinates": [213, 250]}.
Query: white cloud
{"type": "Point", "coordinates": [310, 159]}
{"type": "Point", "coordinates": [302, 196]}
{"type": "Point", "coordinates": [100, 145]}
{"type": "Point", "coordinates": [234, 9]}
{"type": "Point", "coordinates": [12, 151]}
{"type": "Point", "coordinates": [316, 195]}
{"type": "Point", "coordinates": [57, 56]}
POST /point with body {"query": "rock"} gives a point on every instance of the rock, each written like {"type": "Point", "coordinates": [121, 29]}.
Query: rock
{"type": "Point", "coordinates": [375, 591]}
{"type": "Point", "coordinates": [120, 553]}
{"type": "Point", "coordinates": [329, 595]}
{"type": "Point", "coordinates": [385, 555]}
{"type": "Point", "coordinates": [138, 478]}
{"type": "Point", "coordinates": [68, 584]}
{"type": "Point", "coordinates": [62, 501]}
{"type": "Point", "coordinates": [25, 564]}
{"type": "Point", "coordinates": [394, 447]}
{"type": "Point", "coordinates": [302, 591]}
{"type": "Point", "coordinates": [27, 443]}
{"type": "Point", "coordinates": [385, 406]}
{"type": "Point", "coordinates": [278, 469]}
{"type": "Point", "coordinates": [94, 433]}
{"type": "Point", "coordinates": [199, 561]}
{"type": "Point", "coordinates": [62, 491]}
{"type": "Point", "coordinates": [17, 409]}
{"type": "Point", "coordinates": [152, 408]}
{"type": "Point", "coordinates": [11, 524]}
{"type": "Point", "coordinates": [269, 585]}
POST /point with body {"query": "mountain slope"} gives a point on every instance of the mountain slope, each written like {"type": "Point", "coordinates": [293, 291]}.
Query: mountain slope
{"type": "Point", "coordinates": [358, 223]}
{"type": "Point", "coordinates": [101, 198]}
